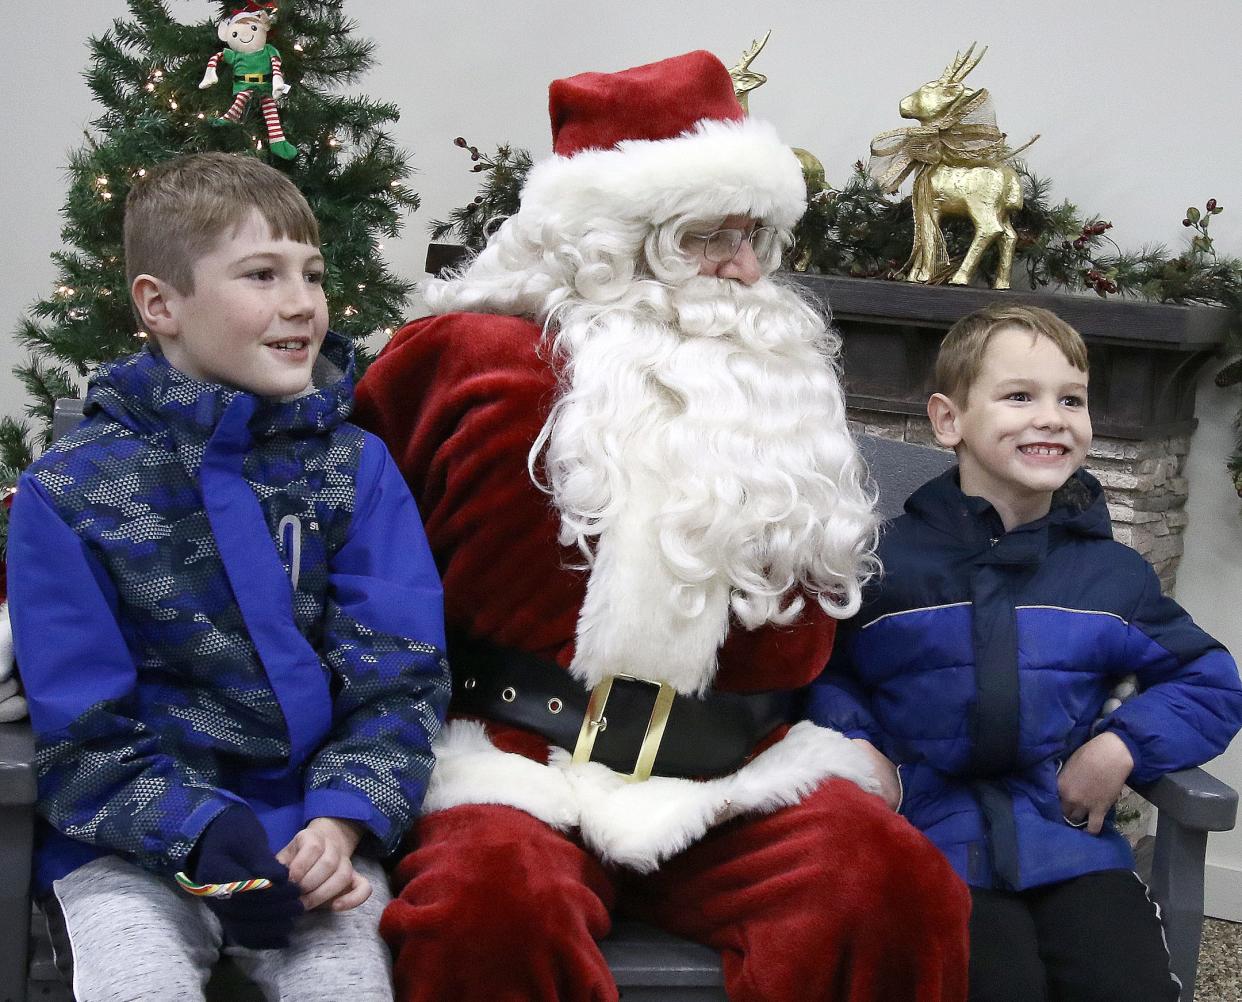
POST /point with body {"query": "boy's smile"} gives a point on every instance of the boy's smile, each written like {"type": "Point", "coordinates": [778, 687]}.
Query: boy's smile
{"type": "Point", "coordinates": [1024, 429]}
{"type": "Point", "coordinates": [257, 316]}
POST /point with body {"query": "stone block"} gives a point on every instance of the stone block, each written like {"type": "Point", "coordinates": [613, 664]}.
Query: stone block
{"type": "Point", "coordinates": [1112, 448]}
{"type": "Point", "coordinates": [1177, 518]}
{"type": "Point", "coordinates": [1120, 480]}
{"type": "Point", "coordinates": [919, 430]}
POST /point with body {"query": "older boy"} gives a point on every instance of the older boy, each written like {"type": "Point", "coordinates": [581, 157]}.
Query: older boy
{"type": "Point", "coordinates": [230, 671]}
{"type": "Point", "coordinates": [981, 661]}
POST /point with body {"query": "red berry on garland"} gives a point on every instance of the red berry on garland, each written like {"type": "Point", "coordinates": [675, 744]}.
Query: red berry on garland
{"type": "Point", "coordinates": [1211, 204]}
{"type": "Point", "coordinates": [459, 141]}
{"type": "Point", "coordinates": [1185, 222]}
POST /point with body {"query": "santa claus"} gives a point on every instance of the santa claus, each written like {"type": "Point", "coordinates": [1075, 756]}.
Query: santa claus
{"type": "Point", "coordinates": [628, 444]}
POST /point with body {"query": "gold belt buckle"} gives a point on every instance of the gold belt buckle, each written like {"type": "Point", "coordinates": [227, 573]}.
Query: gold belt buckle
{"type": "Point", "coordinates": [593, 722]}
{"type": "Point", "coordinates": [253, 77]}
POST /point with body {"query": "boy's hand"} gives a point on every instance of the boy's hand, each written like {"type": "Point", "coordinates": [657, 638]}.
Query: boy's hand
{"type": "Point", "coordinates": [320, 861]}
{"type": "Point", "coordinates": [883, 770]}
{"type": "Point", "coordinates": [1091, 781]}
{"type": "Point", "coordinates": [234, 847]}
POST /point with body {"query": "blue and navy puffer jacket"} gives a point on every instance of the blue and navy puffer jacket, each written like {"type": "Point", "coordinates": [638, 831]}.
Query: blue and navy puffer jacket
{"type": "Point", "coordinates": [982, 658]}
{"type": "Point", "coordinates": [217, 599]}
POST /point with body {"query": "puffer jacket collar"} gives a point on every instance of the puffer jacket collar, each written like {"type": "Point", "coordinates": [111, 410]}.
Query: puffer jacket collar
{"type": "Point", "coordinates": [1078, 508]}
{"type": "Point", "coordinates": [146, 394]}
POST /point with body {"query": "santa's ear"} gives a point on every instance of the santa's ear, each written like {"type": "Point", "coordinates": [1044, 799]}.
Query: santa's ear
{"type": "Point", "coordinates": [945, 417]}
{"type": "Point", "coordinates": [156, 302]}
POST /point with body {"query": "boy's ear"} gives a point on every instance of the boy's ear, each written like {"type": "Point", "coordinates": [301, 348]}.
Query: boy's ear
{"type": "Point", "coordinates": [154, 300]}
{"type": "Point", "coordinates": [943, 414]}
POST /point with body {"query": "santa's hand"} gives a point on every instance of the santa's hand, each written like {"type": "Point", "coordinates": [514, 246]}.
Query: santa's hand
{"type": "Point", "coordinates": [209, 80]}
{"type": "Point", "coordinates": [279, 87]}
{"type": "Point", "coordinates": [1091, 780]}
{"type": "Point", "coordinates": [884, 771]}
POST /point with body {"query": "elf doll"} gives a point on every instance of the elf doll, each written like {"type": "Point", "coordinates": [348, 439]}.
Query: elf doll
{"type": "Point", "coordinates": [256, 70]}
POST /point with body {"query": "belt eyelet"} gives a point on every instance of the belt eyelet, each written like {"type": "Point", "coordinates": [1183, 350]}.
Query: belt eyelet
{"type": "Point", "coordinates": [555, 705]}
{"type": "Point", "coordinates": [509, 694]}
{"type": "Point", "coordinates": [470, 683]}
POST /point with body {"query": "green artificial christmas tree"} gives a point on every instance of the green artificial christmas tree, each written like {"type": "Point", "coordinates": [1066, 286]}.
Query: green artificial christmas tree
{"type": "Point", "coordinates": [147, 73]}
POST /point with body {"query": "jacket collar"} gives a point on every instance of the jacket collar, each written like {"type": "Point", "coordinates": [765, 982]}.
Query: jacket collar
{"type": "Point", "coordinates": [146, 394]}
{"type": "Point", "coordinates": [1078, 508]}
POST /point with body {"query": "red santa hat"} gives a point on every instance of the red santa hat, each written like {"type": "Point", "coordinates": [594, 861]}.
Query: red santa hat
{"type": "Point", "coordinates": [252, 9]}
{"type": "Point", "coordinates": [660, 140]}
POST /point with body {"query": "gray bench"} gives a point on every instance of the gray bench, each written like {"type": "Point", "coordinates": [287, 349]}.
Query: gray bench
{"type": "Point", "coordinates": [649, 965]}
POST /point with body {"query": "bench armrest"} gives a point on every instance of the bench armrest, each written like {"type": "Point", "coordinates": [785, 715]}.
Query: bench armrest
{"type": "Point", "coordinates": [17, 770]}
{"type": "Point", "coordinates": [1194, 799]}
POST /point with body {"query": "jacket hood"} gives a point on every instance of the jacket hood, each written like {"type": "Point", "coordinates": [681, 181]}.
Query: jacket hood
{"type": "Point", "coordinates": [145, 393]}
{"type": "Point", "coordinates": [1078, 507]}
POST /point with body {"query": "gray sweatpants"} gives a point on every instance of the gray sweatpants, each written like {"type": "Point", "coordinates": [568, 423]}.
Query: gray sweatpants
{"type": "Point", "coordinates": [134, 937]}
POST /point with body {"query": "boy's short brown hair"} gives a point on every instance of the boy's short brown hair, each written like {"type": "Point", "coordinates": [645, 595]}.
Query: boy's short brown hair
{"type": "Point", "coordinates": [960, 358]}
{"type": "Point", "coordinates": [176, 213]}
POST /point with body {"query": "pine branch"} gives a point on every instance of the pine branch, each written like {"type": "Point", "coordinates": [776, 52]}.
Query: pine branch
{"type": "Point", "coordinates": [144, 73]}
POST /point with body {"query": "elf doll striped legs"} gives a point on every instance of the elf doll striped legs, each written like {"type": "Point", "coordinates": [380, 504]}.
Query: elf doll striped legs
{"type": "Point", "coordinates": [276, 140]}
{"type": "Point", "coordinates": [236, 110]}
{"type": "Point", "coordinates": [275, 134]}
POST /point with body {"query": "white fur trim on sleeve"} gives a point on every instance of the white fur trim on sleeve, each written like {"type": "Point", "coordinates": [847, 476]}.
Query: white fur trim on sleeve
{"type": "Point", "coordinates": [636, 825]}
{"type": "Point", "coordinates": [471, 770]}
{"type": "Point", "coordinates": [640, 825]}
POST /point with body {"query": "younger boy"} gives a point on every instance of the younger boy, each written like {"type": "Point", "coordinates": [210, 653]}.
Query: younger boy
{"type": "Point", "coordinates": [981, 660]}
{"type": "Point", "coordinates": [230, 670]}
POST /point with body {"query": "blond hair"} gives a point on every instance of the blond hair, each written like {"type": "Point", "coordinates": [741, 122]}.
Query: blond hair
{"type": "Point", "coordinates": [176, 213]}
{"type": "Point", "coordinates": [960, 358]}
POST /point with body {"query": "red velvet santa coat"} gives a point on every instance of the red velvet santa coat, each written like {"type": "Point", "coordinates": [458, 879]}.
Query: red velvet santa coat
{"type": "Point", "coordinates": [459, 399]}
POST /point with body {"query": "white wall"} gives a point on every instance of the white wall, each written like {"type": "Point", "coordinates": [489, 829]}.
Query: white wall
{"type": "Point", "coordinates": [1209, 584]}
{"type": "Point", "coordinates": [1137, 102]}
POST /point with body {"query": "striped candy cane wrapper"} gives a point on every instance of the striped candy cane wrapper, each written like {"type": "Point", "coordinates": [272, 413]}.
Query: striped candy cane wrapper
{"type": "Point", "coordinates": [221, 890]}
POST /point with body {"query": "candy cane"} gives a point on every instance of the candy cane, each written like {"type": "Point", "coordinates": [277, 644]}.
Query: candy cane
{"type": "Point", "coordinates": [226, 890]}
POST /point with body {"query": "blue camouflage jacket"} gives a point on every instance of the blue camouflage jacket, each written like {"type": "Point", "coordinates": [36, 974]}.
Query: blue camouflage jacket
{"type": "Point", "coordinates": [217, 599]}
{"type": "Point", "coordinates": [982, 659]}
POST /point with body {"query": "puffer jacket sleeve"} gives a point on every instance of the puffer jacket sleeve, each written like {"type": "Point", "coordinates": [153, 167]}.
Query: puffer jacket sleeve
{"type": "Point", "coordinates": [1190, 702]}
{"type": "Point", "coordinates": [837, 699]}
{"type": "Point", "coordinates": [384, 644]}
{"type": "Point", "coordinates": [104, 777]}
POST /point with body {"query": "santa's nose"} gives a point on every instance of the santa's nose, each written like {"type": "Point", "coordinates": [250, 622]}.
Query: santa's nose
{"type": "Point", "coordinates": [744, 267]}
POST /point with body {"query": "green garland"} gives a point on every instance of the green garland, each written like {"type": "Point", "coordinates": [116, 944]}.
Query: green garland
{"type": "Point", "coordinates": [858, 230]}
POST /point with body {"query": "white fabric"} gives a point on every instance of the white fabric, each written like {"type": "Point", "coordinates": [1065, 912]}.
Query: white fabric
{"type": "Point", "coordinates": [716, 169]}
{"type": "Point", "coordinates": [636, 825]}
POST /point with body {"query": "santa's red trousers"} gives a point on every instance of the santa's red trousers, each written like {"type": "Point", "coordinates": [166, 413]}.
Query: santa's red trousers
{"type": "Point", "coordinates": [836, 898]}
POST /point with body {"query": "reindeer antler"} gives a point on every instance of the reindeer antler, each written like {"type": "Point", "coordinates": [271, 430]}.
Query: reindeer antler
{"type": "Point", "coordinates": [962, 65]}
{"type": "Point", "coordinates": [756, 46]}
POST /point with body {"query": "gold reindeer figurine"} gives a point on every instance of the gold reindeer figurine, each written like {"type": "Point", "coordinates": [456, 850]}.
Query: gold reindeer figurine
{"type": "Point", "coordinates": [744, 81]}
{"type": "Point", "coordinates": [959, 161]}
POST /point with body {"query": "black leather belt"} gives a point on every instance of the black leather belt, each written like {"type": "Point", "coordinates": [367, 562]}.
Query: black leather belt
{"type": "Point", "coordinates": [711, 736]}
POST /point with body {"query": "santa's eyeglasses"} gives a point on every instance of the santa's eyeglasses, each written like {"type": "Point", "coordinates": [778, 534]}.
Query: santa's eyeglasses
{"type": "Point", "coordinates": [722, 245]}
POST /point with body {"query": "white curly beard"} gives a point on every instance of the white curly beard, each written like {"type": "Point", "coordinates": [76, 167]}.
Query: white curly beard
{"type": "Point", "coordinates": [700, 460]}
